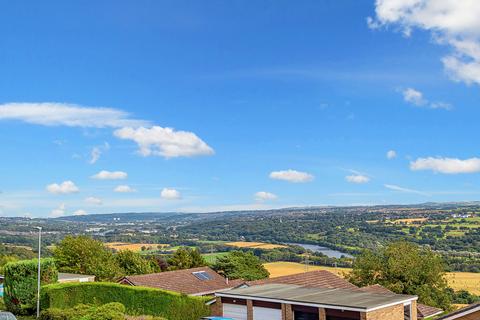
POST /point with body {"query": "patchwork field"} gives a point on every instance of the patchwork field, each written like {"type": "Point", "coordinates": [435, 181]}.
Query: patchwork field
{"type": "Point", "coordinates": [457, 280]}
{"type": "Point", "coordinates": [409, 221]}
{"type": "Point", "coordinates": [254, 245]}
{"type": "Point", "coordinates": [119, 246]}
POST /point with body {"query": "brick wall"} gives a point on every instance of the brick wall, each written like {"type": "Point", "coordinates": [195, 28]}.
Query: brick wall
{"type": "Point", "coordinates": [389, 313]}
{"type": "Point", "coordinates": [217, 308]}
{"type": "Point", "coordinates": [322, 315]}
{"type": "Point", "coordinates": [249, 310]}
{"type": "Point", "coordinates": [287, 312]}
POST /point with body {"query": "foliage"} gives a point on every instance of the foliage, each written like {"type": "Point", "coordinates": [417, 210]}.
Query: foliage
{"type": "Point", "coordinates": [241, 265]}
{"type": "Point", "coordinates": [137, 300]}
{"type": "Point", "coordinates": [404, 268]}
{"type": "Point", "coordinates": [186, 258]}
{"type": "Point", "coordinates": [21, 283]}
{"type": "Point", "coordinates": [133, 263]}
{"type": "Point", "coordinates": [85, 255]}
{"type": "Point", "coordinates": [463, 297]}
{"type": "Point", "coordinates": [109, 311]}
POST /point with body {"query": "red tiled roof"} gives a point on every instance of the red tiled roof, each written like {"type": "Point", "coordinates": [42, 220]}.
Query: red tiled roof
{"type": "Point", "coordinates": [183, 281]}
{"type": "Point", "coordinates": [317, 278]}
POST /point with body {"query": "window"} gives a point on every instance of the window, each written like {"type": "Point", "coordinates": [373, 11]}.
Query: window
{"type": "Point", "coordinates": [407, 311]}
{"type": "Point", "coordinates": [202, 275]}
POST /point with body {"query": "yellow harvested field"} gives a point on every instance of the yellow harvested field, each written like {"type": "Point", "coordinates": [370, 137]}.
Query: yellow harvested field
{"type": "Point", "coordinates": [464, 281]}
{"type": "Point", "coordinates": [457, 280]}
{"type": "Point", "coordinates": [119, 246]}
{"type": "Point", "coordinates": [278, 269]}
{"type": "Point", "coordinates": [409, 221]}
{"type": "Point", "coordinates": [254, 245]}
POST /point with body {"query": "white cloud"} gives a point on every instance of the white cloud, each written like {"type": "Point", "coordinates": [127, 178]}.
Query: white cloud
{"type": "Point", "coordinates": [170, 194]}
{"type": "Point", "coordinates": [452, 22]}
{"type": "Point", "coordinates": [291, 176]}
{"type": "Point", "coordinates": [95, 155]}
{"type": "Point", "coordinates": [93, 200]}
{"type": "Point", "coordinates": [65, 187]}
{"type": "Point", "coordinates": [357, 178]}
{"type": "Point", "coordinates": [446, 165]}
{"type": "Point", "coordinates": [97, 152]}
{"type": "Point", "coordinates": [110, 175]}
{"type": "Point", "coordinates": [124, 189]}
{"type": "Point", "coordinates": [264, 196]}
{"type": "Point", "coordinates": [404, 190]}
{"type": "Point", "coordinates": [165, 142]}
{"type": "Point", "coordinates": [80, 212]}
{"type": "Point", "coordinates": [416, 98]}
{"type": "Point", "coordinates": [60, 211]}
{"type": "Point", "coordinates": [391, 154]}
{"type": "Point", "coordinates": [63, 114]}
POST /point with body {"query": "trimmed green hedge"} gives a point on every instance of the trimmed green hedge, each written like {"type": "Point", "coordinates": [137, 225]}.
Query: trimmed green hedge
{"type": "Point", "coordinates": [21, 284]}
{"type": "Point", "coordinates": [137, 300]}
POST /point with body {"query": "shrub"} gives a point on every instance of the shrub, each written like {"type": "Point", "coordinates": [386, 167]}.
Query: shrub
{"type": "Point", "coordinates": [137, 300]}
{"type": "Point", "coordinates": [109, 311]}
{"type": "Point", "coordinates": [21, 284]}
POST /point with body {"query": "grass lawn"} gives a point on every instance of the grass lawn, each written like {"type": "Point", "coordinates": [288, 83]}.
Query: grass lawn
{"type": "Point", "coordinates": [457, 280]}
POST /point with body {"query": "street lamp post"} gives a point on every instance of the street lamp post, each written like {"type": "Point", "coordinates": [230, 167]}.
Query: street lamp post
{"type": "Point", "coordinates": [39, 271]}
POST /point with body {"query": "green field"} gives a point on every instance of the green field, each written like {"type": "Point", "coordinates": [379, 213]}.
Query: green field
{"type": "Point", "coordinates": [212, 257]}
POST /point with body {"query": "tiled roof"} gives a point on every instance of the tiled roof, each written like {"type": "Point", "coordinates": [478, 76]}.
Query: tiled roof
{"type": "Point", "coordinates": [317, 278]}
{"type": "Point", "coordinates": [183, 281]}
{"type": "Point", "coordinates": [423, 311]}
{"type": "Point", "coordinates": [469, 312]}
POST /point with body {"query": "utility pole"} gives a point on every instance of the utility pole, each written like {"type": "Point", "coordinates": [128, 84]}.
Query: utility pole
{"type": "Point", "coordinates": [39, 271]}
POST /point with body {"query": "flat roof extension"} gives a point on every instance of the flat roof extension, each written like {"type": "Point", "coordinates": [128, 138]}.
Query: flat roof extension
{"type": "Point", "coordinates": [340, 299]}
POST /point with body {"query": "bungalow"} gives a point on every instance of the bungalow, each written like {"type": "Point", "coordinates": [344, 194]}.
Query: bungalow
{"type": "Point", "coordinates": [471, 312]}
{"type": "Point", "coordinates": [289, 302]}
{"type": "Point", "coordinates": [326, 279]}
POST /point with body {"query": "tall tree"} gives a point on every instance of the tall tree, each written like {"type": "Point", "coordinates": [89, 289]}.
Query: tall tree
{"type": "Point", "coordinates": [133, 263]}
{"type": "Point", "coordinates": [241, 265]}
{"type": "Point", "coordinates": [85, 255]}
{"type": "Point", "coordinates": [186, 258]}
{"type": "Point", "coordinates": [406, 268]}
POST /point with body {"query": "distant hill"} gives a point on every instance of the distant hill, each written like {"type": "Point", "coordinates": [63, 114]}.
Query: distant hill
{"type": "Point", "coordinates": [182, 216]}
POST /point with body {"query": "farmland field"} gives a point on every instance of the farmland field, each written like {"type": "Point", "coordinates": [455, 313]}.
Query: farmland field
{"type": "Point", "coordinates": [457, 280]}
{"type": "Point", "coordinates": [212, 257]}
{"type": "Point", "coordinates": [119, 246]}
{"type": "Point", "coordinates": [254, 245]}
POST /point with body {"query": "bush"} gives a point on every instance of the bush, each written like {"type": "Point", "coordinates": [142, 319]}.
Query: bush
{"type": "Point", "coordinates": [137, 300]}
{"type": "Point", "coordinates": [109, 311]}
{"type": "Point", "coordinates": [21, 284]}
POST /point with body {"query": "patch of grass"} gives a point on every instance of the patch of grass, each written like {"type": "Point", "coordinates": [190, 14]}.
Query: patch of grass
{"type": "Point", "coordinates": [211, 258]}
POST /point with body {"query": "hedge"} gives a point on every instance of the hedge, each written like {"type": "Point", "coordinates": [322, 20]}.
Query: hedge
{"type": "Point", "coordinates": [21, 284]}
{"type": "Point", "coordinates": [137, 300]}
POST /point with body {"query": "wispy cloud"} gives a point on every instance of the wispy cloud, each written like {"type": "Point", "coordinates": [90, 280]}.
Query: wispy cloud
{"type": "Point", "coordinates": [110, 175]}
{"type": "Point", "coordinates": [404, 190]}
{"type": "Point", "coordinates": [71, 115]}
{"type": "Point", "coordinates": [416, 98]}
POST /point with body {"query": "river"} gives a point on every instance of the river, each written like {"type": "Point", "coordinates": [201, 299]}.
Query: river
{"type": "Point", "coordinates": [326, 251]}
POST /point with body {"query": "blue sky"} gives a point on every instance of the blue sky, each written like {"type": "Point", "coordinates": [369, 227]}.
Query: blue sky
{"type": "Point", "coordinates": [271, 104]}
